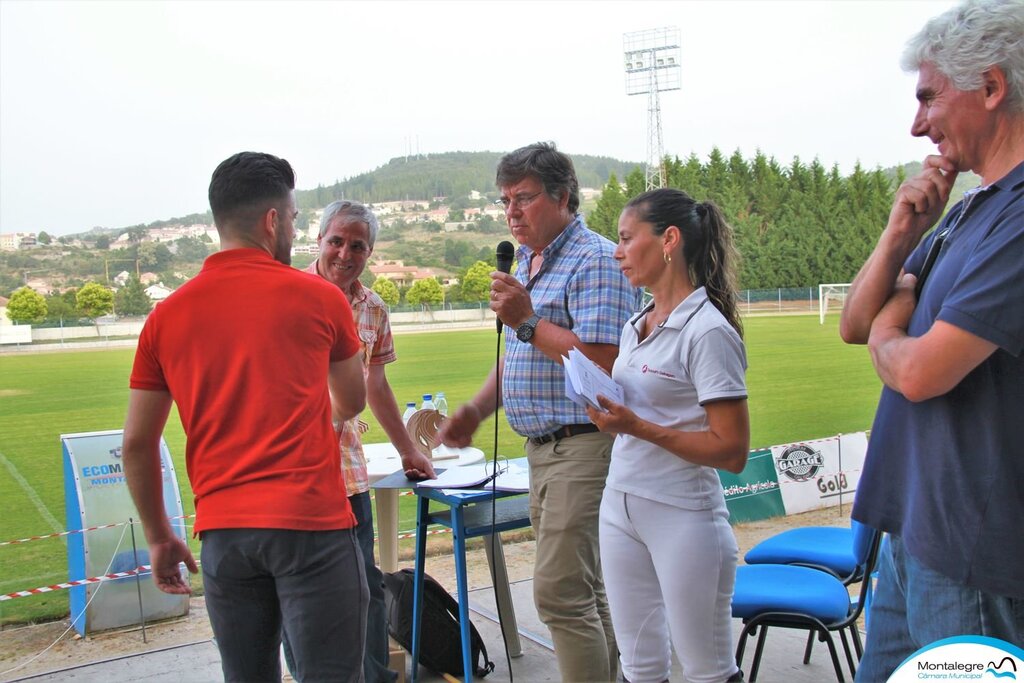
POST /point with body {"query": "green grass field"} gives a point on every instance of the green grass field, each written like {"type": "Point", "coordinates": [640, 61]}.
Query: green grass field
{"type": "Point", "coordinates": [804, 383]}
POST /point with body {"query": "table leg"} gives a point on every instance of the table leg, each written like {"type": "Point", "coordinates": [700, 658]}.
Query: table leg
{"type": "Point", "coordinates": [422, 514]}
{"type": "Point", "coordinates": [387, 528]}
{"type": "Point", "coordinates": [462, 584]}
{"type": "Point", "coordinates": [503, 595]}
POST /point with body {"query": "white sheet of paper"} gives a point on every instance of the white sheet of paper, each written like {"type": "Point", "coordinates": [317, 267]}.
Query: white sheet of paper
{"type": "Point", "coordinates": [458, 477]}
{"type": "Point", "coordinates": [514, 478]}
{"type": "Point", "coordinates": [570, 386]}
{"type": "Point", "coordinates": [588, 380]}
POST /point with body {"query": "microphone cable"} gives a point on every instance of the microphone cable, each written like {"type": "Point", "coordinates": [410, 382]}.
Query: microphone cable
{"type": "Point", "coordinates": [504, 257]}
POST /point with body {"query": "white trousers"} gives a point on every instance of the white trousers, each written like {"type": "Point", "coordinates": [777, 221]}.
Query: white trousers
{"type": "Point", "coordinates": [669, 574]}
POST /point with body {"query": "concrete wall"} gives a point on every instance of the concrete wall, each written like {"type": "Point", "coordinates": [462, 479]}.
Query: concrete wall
{"type": "Point", "coordinates": [124, 329]}
{"type": "Point", "coordinates": [460, 317]}
{"type": "Point", "coordinates": [15, 334]}
{"type": "Point", "coordinates": [400, 320]}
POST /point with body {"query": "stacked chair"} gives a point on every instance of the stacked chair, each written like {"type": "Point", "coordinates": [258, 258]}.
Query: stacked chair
{"type": "Point", "coordinates": [799, 579]}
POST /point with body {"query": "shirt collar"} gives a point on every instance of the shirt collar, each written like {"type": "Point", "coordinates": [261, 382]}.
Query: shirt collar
{"type": "Point", "coordinates": [686, 309]}
{"type": "Point", "coordinates": [678, 318]}
{"type": "Point", "coordinates": [357, 292]}
{"type": "Point", "coordinates": [576, 226]}
{"type": "Point", "coordinates": [236, 255]}
{"type": "Point", "coordinates": [1011, 180]}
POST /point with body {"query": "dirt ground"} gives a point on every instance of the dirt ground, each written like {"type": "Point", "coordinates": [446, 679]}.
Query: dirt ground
{"type": "Point", "coordinates": [39, 648]}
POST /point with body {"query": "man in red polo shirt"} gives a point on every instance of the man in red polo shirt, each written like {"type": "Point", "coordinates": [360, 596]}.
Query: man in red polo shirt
{"type": "Point", "coordinates": [259, 358]}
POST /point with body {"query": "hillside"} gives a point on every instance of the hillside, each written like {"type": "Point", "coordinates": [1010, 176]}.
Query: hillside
{"type": "Point", "coordinates": [451, 174]}
{"type": "Point", "coordinates": [457, 231]}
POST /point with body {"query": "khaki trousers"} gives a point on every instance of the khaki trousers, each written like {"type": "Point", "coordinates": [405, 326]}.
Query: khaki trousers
{"type": "Point", "coordinates": [566, 483]}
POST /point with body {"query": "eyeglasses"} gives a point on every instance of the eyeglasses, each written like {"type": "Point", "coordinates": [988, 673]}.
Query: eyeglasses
{"type": "Point", "coordinates": [520, 201]}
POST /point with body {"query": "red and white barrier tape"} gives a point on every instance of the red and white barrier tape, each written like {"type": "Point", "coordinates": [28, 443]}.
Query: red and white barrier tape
{"type": "Point", "coordinates": [412, 534]}
{"type": "Point", "coordinates": [61, 533]}
{"type": "Point", "coordinates": [76, 531]}
{"type": "Point", "coordinates": [141, 571]}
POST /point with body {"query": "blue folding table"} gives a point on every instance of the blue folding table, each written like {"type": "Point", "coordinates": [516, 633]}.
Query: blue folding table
{"type": "Point", "coordinates": [468, 515]}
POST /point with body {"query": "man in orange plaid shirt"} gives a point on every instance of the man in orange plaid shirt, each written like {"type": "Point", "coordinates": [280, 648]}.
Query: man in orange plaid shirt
{"type": "Point", "coordinates": [347, 234]}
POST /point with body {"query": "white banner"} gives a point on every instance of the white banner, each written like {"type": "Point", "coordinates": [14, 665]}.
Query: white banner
{"type": "Point", "coordinates": [96, 494]}
{"type": "Point", "coordinates": [820, 473]}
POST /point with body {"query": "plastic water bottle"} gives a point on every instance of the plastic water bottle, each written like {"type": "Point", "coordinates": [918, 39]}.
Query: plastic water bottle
{"type": "Point", "coordinates": [442, 403]}
{"type": "Point", "coordinates": [410, 408]}
{"type": "Point", "coordinates": [428, 403]}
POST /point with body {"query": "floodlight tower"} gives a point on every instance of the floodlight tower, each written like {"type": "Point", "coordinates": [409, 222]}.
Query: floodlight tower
{"type": "Point", "coordinates": [652, 66]}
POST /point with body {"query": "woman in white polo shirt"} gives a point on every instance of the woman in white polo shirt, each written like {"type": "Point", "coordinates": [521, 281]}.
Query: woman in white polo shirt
{"type": "Point", "coordinates": [667, 551]}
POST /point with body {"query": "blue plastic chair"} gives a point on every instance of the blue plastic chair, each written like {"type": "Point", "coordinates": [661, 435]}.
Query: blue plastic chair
{"type": "Point", "coordinates": [800, 597]}
{"type": "Point", "coordinates": [825, 548]}
{"type": "Point", "coordinates": [819, 547]}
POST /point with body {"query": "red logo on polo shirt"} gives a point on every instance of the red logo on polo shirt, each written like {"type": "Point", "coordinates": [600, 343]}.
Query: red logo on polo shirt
{"type": "Point", "coordinates": [654, 371]}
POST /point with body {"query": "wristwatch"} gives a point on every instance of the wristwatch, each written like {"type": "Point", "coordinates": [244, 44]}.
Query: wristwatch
{"type": "Point", "coordinates": [524, 332]}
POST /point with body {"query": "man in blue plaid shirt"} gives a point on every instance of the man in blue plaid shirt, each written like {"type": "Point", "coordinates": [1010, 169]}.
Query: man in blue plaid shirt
{"type": "Point", "coordinates": [567, 292]}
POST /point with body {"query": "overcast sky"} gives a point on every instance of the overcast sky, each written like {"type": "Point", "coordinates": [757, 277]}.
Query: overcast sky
{"type": "Point", "coordinates": [116, 113]}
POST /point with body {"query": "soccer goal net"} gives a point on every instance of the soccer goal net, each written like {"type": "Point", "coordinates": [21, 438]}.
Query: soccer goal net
{"type": "Point", "coordinates": [831, 297]}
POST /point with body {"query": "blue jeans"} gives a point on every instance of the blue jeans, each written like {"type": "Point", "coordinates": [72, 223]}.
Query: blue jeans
{"type": "Point", "coordinates": [310, 583]}
{"type": "Point", "coordinates": [375, 653]}
{"type": "Point", "coordinates": [375, 656]}
{"type": "Point", "coordinates": [914, 606]}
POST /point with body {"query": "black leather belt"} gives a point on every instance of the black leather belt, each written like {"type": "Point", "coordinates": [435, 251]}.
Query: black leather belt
{"type": "Point", "coordinates": [564, 432]}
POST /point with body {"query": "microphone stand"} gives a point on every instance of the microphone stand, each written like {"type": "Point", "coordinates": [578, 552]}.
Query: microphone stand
{"type": "Point", "coordinates": [494, 539]}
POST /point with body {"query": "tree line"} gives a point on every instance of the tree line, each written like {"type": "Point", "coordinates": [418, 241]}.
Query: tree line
{"type": "Point", "coordinates": [795, 226]}
{"type": "Point", "coordinates": [92, 300]}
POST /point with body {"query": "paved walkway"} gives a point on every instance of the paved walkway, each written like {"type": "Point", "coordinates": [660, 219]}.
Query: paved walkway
{"type": "Point", "coordinates": [200, 663]}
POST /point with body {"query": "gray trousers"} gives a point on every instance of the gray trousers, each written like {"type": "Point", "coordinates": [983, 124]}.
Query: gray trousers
{"type": "Point", "coordinates": [311, 583]}
{"type": "Point", "coordinates": [375, 654]}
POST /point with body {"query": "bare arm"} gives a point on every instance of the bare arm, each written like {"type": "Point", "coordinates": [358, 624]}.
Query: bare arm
{"type": "Point", "coordinates": [147, 415]}
{"type": "Point", "coordinates": [919, 204]}
{"type": "Point", "coordinates": [723, 446]}
{"type": "Point", "coordinates": [554, 342]}
{"type": "Point", "coordinates": [382, 402]}
{"type": "Point", "coordinates": [459, 428]}
{"type": "Point", "coordinates": [348, 388]}
{"type": "Point", "coordinates": [927, 366]}
{"type": "Point", "coordinates": [512, 303]}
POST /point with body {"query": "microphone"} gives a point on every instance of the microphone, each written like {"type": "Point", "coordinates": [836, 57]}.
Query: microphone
{"type": "Point", "coordinates": [505, 254]}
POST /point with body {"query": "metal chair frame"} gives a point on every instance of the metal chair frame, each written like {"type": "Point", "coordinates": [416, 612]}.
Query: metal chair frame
{"type": "Point", "coordinates": [815, 626]}
{"type": "Point", "coordinates": [853, 577]}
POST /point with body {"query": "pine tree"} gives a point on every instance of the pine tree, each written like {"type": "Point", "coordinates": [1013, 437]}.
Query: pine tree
{"type": "Point", "coordinates": [604, 219]}
{"type": "Point", "coordinates": [132, 299]}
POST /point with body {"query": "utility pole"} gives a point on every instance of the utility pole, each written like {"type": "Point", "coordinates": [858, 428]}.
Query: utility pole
{"type": "Point", "coordinates": [108, 261]}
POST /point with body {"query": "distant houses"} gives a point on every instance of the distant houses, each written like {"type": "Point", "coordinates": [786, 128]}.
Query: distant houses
{"type": "Point", "coordinates": [158, 292]}
{"type": "Point", "coordinates": [399, 273]}
{"type": "Point", "coordinates": [404, 275]}
{"type": "Point", "coordinates": [13, 241]}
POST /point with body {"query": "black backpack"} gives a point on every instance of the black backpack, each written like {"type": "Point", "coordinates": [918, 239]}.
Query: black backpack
{"type": "Point", "coordinates": [440, 638]}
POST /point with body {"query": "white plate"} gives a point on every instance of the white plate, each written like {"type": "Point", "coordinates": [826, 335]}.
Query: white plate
{"type": "Point", "coordinates": [382, 458]}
